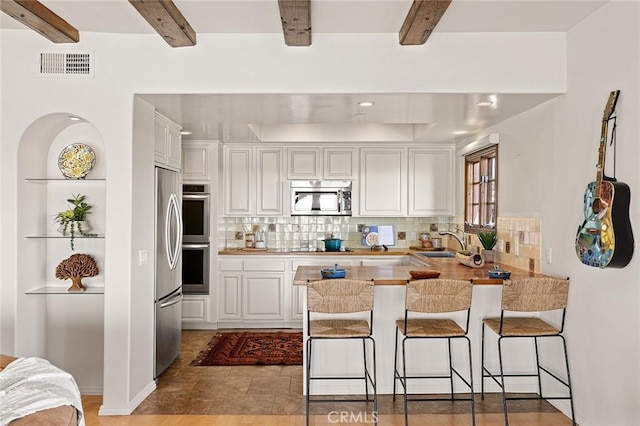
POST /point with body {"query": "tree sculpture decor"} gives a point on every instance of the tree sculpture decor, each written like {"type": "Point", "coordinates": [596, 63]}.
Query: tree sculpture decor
{"type": "Point", "coordinates": [76, 267]}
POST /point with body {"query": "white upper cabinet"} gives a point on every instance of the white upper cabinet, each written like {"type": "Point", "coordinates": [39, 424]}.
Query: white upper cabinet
{"type": "Point", "coordinates": [304, 163]}
{"type": "Point", "coordinates": [340, 163]}
{"type": "Point", "coordinates": [383, 182]}
{"type": "Point", "coordinates": [253, 183]}
{"type": "Point", "coordinates": [431, 173]}
{"type": "Point", "coordinates": [321, 163]}
{"type": "Point", "coordinates": [196, 161]}
{"type": "Point", "coordinates": [269, 183]}
{"type": "Point", "coordinates": [168, 142]}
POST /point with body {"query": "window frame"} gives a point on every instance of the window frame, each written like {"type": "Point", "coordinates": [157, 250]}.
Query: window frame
{"type": "Point", "coordinates": [483, 157]}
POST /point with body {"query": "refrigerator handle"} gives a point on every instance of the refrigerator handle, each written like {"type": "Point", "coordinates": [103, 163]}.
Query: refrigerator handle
{"type": "Point", "coordinates": [167, 233]}
{"type": "Point", "coordinates": [171, 301]}
{"type": "Point", "coordinates": [173, 201]}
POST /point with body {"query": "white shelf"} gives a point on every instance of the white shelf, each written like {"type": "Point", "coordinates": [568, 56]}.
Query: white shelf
{"type": "Point", "coordinates": [63, 290]}
{"type": "Point", "coordinates": [63, 236]}
{"type": "Point", "coordinates": [47, 180]}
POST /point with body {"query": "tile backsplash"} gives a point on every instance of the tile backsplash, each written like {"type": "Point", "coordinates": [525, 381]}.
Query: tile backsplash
{"type": "Point", "coordinates": [521, 236]}
{"type": "Point", "coordinates": [307, 232]}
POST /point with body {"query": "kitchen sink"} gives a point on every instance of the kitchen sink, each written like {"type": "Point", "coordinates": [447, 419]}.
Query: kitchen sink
{"type": "Point", "coordinates": [437, 254]}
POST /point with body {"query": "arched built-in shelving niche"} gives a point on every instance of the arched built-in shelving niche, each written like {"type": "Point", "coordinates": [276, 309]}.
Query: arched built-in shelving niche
{"type": "Point", "coordinates": [65, 328]}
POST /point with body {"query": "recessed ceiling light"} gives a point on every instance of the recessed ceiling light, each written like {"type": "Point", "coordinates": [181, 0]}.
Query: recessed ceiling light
{"type": "Point", "coordinates": [74, 118]}
{"type": "Point", "coordinates": [186, 132]}
{"type": "Point", "coordinates": [459, 132]}
{"type": "Point", "coordinates": [366, 103]}
{"type": "Point", "coordinates": [484, 103]}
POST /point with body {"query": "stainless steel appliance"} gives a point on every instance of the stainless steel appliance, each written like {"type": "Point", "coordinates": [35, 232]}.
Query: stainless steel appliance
{"type": "Point", "coordinates": [168, 286]}
{"type": "Point", "coordinates": [319, 198]}
{"type": "Point", "coordinates": [195, 248]}
{"type": "Point", "coordinates": [195, 213]}
{"type": "Point", "coordinates": [195, 268]}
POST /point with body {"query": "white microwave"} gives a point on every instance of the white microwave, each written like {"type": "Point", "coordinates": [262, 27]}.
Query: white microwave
{"type": "Point", "coordinates": [320, 198]}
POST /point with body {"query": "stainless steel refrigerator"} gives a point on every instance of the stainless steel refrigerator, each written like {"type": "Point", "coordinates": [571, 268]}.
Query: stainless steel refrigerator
{"type": "Point", "coordinates": [168, 277]}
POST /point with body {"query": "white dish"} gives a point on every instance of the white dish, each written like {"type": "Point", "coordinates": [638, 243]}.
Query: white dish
{"type": "Point", "coordinates": [372, 239]}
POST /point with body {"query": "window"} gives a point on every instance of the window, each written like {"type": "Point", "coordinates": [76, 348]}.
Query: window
{"type": "Point", "coordinates": [481, 189]}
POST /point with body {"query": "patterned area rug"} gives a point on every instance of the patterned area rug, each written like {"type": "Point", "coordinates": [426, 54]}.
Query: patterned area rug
{"type": "Point", "coordinates": [252, 348]}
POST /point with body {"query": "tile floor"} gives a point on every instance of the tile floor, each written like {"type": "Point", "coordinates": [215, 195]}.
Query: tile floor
{"type": "Point", "coordinates": [269, 390]}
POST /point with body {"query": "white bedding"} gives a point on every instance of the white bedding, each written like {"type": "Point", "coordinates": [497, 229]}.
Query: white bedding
{"type": "Point", "coordinates": [29, 385]}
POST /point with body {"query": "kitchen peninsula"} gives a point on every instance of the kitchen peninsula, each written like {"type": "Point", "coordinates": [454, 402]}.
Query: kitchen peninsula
{"type": "Point", "coordinates": [340, 358]}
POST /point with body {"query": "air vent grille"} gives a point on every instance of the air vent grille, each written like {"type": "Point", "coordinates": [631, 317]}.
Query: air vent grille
{"type": "Point", "coordinates": [66, 64]}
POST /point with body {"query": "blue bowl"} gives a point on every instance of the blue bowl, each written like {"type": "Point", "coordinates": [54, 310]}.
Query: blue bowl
{"type": "Point", "coordinates": [500, 274]}
{"type": "Point", "coordinates": [333, 273]}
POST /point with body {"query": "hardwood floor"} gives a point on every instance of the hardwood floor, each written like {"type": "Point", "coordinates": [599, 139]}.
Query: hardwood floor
{"type": "Point", "coordinates": [272, 395]}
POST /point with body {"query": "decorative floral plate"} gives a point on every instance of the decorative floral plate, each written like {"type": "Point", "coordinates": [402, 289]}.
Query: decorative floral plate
{"type": "Point", "coordinates": [76, 160]}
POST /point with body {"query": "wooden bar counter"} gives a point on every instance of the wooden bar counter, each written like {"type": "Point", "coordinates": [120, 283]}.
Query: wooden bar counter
{"type": "Point", "coordinates": [449, 268]}
{"type": "Point", "coordinates": [340, 358]}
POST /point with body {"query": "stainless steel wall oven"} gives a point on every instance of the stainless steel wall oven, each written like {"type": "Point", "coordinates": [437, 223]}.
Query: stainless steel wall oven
{"type": "Point", "coordinates": [195, 268]}
{"type": "Point", "coordinates": [195, 242]}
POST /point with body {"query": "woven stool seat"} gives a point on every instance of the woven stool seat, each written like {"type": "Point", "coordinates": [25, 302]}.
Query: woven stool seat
{"type": "Point", "coordinates": [339, 328]}
{"type": "Point", "coordinates": [431, 328]}
{"type": "Point", "coordinates": [521, 327]}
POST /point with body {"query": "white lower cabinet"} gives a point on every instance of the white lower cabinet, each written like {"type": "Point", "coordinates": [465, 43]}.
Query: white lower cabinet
{"type": "Point", "coordinates": [230, 296]}
{"type": "Point", "coordinates": [263, 296]}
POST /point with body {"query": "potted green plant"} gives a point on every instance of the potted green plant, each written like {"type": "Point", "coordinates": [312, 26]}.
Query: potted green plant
{"type": "Point", "coordinates": [73, 220]}
{"type": "Point", "coordinates": [488, 239]}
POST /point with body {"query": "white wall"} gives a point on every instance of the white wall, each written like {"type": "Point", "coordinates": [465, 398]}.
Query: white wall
{"type": "Point", "coordinates": [127, 64]}
{"type": "Point", "coordinates": [546, 158]}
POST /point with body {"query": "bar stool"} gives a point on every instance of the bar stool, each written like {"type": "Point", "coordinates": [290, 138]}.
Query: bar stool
{"type": "Point", "coordinates": [529, 295]}
{"type": "Point", "coordinates": [341, 296]}
{"type": "Point", "coordinates": [434, 296]}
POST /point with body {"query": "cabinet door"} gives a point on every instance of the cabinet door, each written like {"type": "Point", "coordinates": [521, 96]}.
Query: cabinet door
{"type": "Point", "coordinates": [195, 161]}
{"type": "Point", "coordinates": [304, 163]}
{"type": "Point", "coordinates": [339, 163]}
{"type": "Point", "coordinates": [431, 174]}
{"type": "Point", "coordinates": [297, 302]}
{"type": "Point", "coordinates": [230, 296]}
{"type": "Point", "coordinates": [263, 296]}
{"type": "Point", "coordinates": [383, 182]}
{"type": "Point", "coordinates": [238, 181]}
{"type": "Point", "coordinates": [269, 194]}
{"type": "Point", "coordinates": [161, 136]}
{"type": "Point", "coordinates": [174, 146]}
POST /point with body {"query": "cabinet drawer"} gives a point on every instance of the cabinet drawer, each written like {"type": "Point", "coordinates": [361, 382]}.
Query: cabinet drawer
{"type": "Point", "coordinates": [264, 265]}
{"type": "Point", "coordinates": [230, 265]}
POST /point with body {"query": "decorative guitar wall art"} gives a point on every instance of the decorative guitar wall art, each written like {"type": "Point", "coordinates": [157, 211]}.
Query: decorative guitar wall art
{"type": "Point", "coordinates": [605, 238]}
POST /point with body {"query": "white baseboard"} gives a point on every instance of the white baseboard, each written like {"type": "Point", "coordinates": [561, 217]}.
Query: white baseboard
{"type": "Point", "coordinates": [133, 404]}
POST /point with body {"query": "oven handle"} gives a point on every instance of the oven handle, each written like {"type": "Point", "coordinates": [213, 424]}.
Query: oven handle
{"type": "Point", "coordinates": [195, 246]}
{"type": "Point", "coordinates": [195, 196]}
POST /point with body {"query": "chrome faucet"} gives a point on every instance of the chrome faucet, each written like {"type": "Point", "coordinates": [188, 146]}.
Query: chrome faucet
{"type": "Point", "coordinates": [462, 240]}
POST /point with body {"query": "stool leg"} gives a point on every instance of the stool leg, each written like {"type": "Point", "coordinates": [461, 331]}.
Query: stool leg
{"type": "Point", "coordinates": [308, 379]}
{"type": "Point", "coordinates": [395, 365]}
{"type": "Point", "coordinates": [566, 360]}
{"type": "Point", "coordinates": [482, 366]}
{"type": "Point", "coordinates": [450, 367]}
{"type": "Point", "coordinates": [375, 384]}
{"type": "Point", "coordinates": [504, 394]}
{"type": "Point", "coordinates": [404, 382]}
{"type": "Point", "coordinates": [535, 340]}
{"type": "Point", "coordinates": [366, 380]}
{"type": "Point", "coordinates": [473, 398]}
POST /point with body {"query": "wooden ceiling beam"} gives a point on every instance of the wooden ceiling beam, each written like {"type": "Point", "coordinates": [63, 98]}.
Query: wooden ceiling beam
{"type": "Point", "coordinates": [41, 19]}
{"type": "Point", "coordinates": [295, 16]}
{"type": "Point", "coordinates": [166, 19]}
{"type": "Point", "coordinates": [421, 20]}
